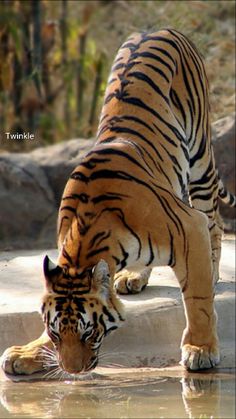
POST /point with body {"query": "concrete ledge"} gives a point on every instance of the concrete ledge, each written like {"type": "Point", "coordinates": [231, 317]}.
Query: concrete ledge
{"type": "Point", "coordinates": [155, 319]}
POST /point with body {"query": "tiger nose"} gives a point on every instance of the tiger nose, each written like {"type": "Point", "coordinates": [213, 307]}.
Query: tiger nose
{"type": "Point", "coordinates": [70, 369]}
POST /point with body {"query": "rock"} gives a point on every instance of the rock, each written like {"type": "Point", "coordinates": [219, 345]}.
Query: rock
{"type": "Point", "coordinates": [224, 150]}
{"type": "Point", "coordinates": [31, 186]}
{"type": "Point", "coordinates": [59, 160]}
{"type": "Point", "coordinates": [27, 210]}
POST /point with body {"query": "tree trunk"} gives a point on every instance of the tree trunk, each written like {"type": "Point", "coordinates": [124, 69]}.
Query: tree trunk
{"type": "Point", "coordinates": [64, 49]}
{"type": "Point", "coordinates": [98, 81]}
{"type": "Point", "coordinates": [80, 76]}
{"type": "Point", "coordinates": [37, 57]}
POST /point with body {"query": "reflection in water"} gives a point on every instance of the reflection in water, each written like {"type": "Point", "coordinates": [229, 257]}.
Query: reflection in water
{"type": "Point", "coordinates": [119, 396]}
{"type": "Point", "coordinates": [198, 395]}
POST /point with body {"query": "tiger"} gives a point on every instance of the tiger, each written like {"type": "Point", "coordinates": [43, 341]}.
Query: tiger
{"type": "Point", "coordinates": [145, 195]}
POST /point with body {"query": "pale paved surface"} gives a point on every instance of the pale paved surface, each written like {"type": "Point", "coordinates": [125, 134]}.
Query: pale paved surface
{"type": "Point", "coordinates": [155, 320]}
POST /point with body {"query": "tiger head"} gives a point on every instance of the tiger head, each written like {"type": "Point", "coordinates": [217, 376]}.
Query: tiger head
{"type": "Point", "coordinates": [79, 310]}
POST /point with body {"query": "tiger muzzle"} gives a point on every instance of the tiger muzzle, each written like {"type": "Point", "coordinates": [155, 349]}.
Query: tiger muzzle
{"type": "Point", "coordinates": [75, 357]}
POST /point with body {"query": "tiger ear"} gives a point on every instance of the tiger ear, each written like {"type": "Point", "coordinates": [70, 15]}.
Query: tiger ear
{"type": "Point", "coordinates": [51, 272]}
{"type": "Point", "coordinates": [101, 281]}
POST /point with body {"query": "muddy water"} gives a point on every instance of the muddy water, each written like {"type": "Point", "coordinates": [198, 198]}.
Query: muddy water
{"type": "Point", "coordinates": [139, 395]}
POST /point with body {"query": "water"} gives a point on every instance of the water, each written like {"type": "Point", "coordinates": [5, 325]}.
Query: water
{"type": "Point", "coordinates": [139, 395]}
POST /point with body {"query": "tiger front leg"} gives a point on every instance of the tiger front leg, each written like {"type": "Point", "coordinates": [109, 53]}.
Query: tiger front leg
{"type": "Point", "coordinates": [194, 271]}
{"type": "Point", "coordinates": [128, 282]}
{"type": "Point", "coordinates": [26, 359]}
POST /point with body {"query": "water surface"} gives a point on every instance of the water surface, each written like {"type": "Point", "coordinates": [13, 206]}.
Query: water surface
{"type": "Point", "coordinates": [139, 395]}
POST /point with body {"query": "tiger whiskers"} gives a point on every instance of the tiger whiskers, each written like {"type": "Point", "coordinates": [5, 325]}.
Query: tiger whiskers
{"type": "Point", "coordinates": [50, 362]}
{"type": "Point", "coordinates": [53, 371]}
{"type": "Point", "coordinates": [54, 374]}
{"type": "Point", "coordinates": [48, 358]}
{"type": "Point", "coordinates": [102, 357]}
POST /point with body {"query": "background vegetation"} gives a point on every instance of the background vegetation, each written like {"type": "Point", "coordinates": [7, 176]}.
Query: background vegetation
{"type": "Point", "coordinates": [55, 58]}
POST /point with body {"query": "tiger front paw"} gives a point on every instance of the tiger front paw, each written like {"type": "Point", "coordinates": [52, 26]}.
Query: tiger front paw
{"type": "Point", "coordinates": [127, 282]}
{"type": "Point", "coordinates": [198, 358]}
{"type": "Point", "coordinates": [18, 360]}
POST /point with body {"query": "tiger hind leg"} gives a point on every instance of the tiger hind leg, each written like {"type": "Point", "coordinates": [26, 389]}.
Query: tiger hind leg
{"type": "Point", "coordinates": [128, 282]}
{"type": "Point", "coordinates": [216, 231]}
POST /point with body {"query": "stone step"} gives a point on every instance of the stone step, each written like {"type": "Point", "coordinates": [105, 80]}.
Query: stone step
{"type": "Point", "coordinates": [154, 322]}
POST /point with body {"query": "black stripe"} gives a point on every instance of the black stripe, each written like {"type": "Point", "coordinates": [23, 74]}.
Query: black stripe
{"type": "Point", "coordinates": [79, 304]}
{"type": "Point", "coordinates": [97, 251]}
{"type": "Point", "coordinates": [146, 54]}
{"type": "Point", "coordinates": [206, 176]}
{"type": "Point", "coordinates": [138, 102]}
{"type": "Point", "coordinates": [151, 258]}
{"type": "Point", "coordinates": [65, 217]}
{"type": "Point", "coordinates": [125, 255]}
{"type": "Point", "coordinates": [130, 45]}
{"type": "Point", "coordinates": [172, 215]}
{"type": "Point", "coordinates": [92, 162]}
{"type": "Point", "coordinates": [196, 189]}
{"type": "Point", "coordinates": [111, 81]}
{"type": "Point", "coordinates": [122, 218]}
{"type": "Point", "coordinates": [99, 237]}
{"type": "Point", "coordinates": [172, 158]}
{"type": "Point", "coordinates": [133, 119]}
{"type": "Point", "coordinates": [165, 136]}
{"type": "Point", "coordinates": [108, 314]}
{"type": "Point", "coordinates": [96, 237]}
{"type": "Point", "coordinates": [171, 261]}
{"type": "Point", "coordinates": [143, 77]}
{"type": "Point", "coordinates": [68, 208]}
{"type": "Point", "coordinates": [115, 152]}
{"type": "Point", "coordinates": [181, 182]}
{"type": "Point", "coordinates": [106, 197]}
{"type": "Point", "coordinates": [67, 256]}
{"type": "Point", "coordinates": [191, 121]}
{"type": "Point", "coordinates": [222, 192]}
{"type": "Point", "coordinates": [130, 131]}
{"type": "Point", "coordinates": [142, 151]}
{"type": "Point", "coordinates": [205, 197]}
{"type": "Point", "coordinates": [101, 321]}
{"type": "Point", "coordinates": [188, 87]}
{"type": "Point", "coordinates": [232, 200]}
{"type": "Point", "coordinates": [71, 196]}
{"type": "Point", "coordinates": [200, 152]}
{"type": "Point", "coordinates": [159, 71]}
{"type": "Point", "coordinates": [77, 175]}
{"type": "Point", "coordinates": [177, 102]}
{"type": "Point", "coordinates": [163, 51]}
